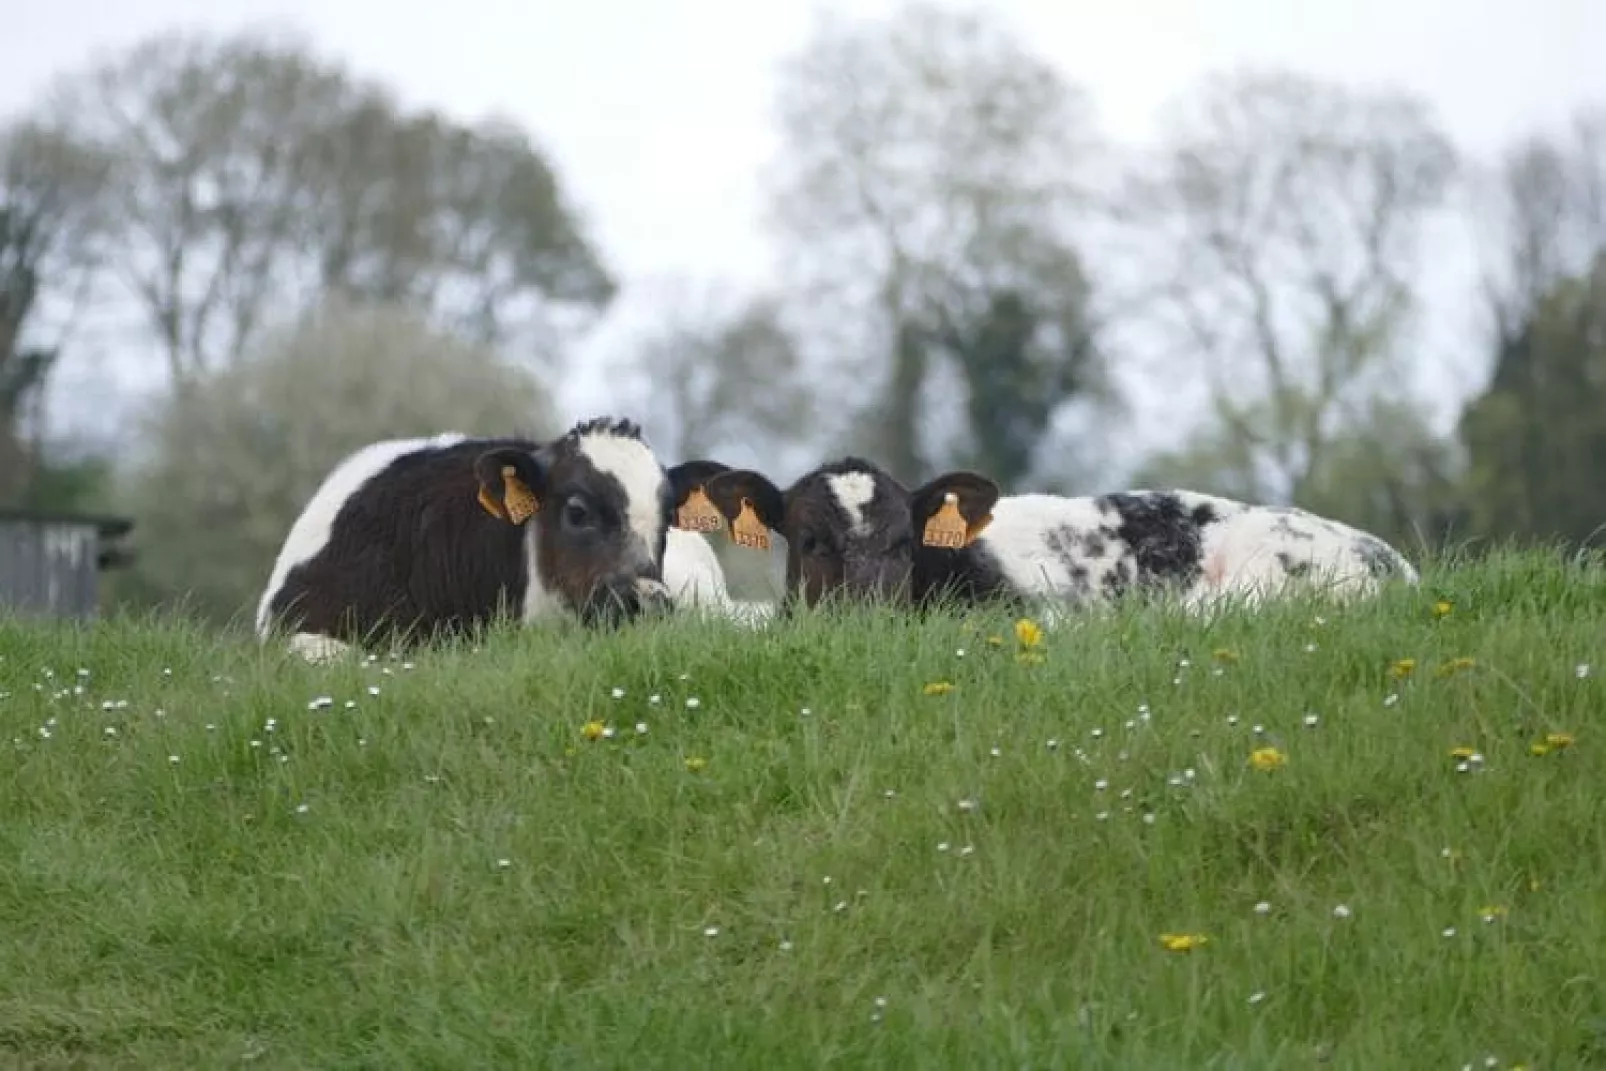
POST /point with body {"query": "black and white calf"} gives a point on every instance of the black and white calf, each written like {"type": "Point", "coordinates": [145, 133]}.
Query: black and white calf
{"type": "Point", "coordinates": [852, 529]}
{"type": "Point", "coordinates": [410, 539]}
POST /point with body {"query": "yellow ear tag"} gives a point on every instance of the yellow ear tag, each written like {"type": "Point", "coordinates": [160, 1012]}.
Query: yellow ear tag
{"type": "Point", "coordinates": [697, 513]}
{"type": "Point", "coordinates": [946, 528]}
{"type": "Point", "coordinates": [748, 531]}
{"type": "Point", "coordinates": [520, 500]}
{"type": "Point", "coordinates": [491, 506]}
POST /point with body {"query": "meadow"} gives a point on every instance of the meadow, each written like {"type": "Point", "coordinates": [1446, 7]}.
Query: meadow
{"type": "Point", "coordinates": [1353, 837]}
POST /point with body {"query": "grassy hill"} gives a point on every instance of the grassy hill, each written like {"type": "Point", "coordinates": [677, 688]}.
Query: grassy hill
{"type": "Point", "coordinates": [788, 849]}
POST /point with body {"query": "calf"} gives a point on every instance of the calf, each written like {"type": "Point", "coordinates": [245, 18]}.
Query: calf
{"type": "Point", "coordinates": [851, 529]}
{"type": "Point", "coordinates": [415, 538]}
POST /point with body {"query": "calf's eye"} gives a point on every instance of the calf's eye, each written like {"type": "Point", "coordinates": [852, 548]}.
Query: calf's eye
{"type": "Point", "coordinates": [576, 514]}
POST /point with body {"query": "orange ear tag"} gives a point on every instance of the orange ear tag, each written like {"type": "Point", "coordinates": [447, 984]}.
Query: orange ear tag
{"type": "Point", "coordinates": [516, 495]}
{"type": "Point", "coordinates": [946, 528]}
{"type": "Point", "coordinates": [748, 531]}
{"type": "Point", "coordinates": [697, 513]}
{"type": "Point", "coordinates": [491, 506]}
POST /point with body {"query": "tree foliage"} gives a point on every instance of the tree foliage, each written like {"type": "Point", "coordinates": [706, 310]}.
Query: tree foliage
{"type": "Point", "coordinates": [1537, 435]}
{"type": "Point", "coordinates": [234, 458]}
{"type": "Point", "coordinates": [255, 178]}
{"type": "Point", "coordinates": [47, 188]}
{"type": "Point", "coordinates": [929, 165]}
{"type": "Point", "coordinates": [1287, 215]}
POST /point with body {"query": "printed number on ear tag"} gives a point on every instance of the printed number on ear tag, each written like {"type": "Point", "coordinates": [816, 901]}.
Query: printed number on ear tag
{"type": "Point", "coordinates": [748, 531]}
{"type": "Point", "coordinates": [946, 528]}
{"type": "Point", "coordinates": [697, 514]}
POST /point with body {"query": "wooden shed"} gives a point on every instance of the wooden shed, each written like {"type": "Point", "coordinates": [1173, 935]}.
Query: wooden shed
{"type": "Point", "coordinates": [50, 563]}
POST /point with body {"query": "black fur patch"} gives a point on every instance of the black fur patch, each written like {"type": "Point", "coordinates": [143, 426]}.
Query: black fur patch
{"type": "Point", "coordinates": [1163, 536]}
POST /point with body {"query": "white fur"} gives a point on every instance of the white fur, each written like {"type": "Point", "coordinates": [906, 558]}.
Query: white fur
{"type": "Point", "coordinates": [1243, 550]}
{"type": "Point", "coordinates": [692, 572]}
{"type": "Point", "coordinates": [636, 467]}
{"type": "Point", "coordinates": [317, 649]}
{"type": "Point", "coordinates": [310, 532]}
{"type": "Point", "coordinates": [853, 491]}
{"type": "Point", "coordinates": [1241, 557]}
{"type": "Point", "coordinates": [1015, 538]}
{"type": "Point", "coordinates": [696, 580]}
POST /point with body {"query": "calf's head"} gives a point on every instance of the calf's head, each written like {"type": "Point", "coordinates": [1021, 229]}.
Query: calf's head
{"type": "Point", "coordinates": [851, 530]}
{"type": "Point", "coordinates": [597, 505]}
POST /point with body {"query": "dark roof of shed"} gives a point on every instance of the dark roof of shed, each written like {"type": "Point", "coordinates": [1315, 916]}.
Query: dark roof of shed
{"type": "Point", "coordinates": [109, 526]}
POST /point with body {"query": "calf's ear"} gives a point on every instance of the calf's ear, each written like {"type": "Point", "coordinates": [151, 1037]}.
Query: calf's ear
{"type": "Point", "coordinates": [511, 483]}
{"type": "Point", "coordinates": [750, 503]}
{"type": "Point", "coordinates": [694, 511]}
{"type": "Point", "coordinates": [952, 510]}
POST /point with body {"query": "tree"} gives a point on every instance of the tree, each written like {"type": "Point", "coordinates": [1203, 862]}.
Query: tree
{"type": "Point", "coordinates": [717, 372]}
{"type": "Point", "coordinates": [1533, 436]}
{"type": "Point", "coordinates": [233, 459]}
{"type": "Point", "coordinates": [255, 178]}
{"type": "Point", "coordinates": [1024, 340]}
{"type": "Point", "coordinates": [928, 162]}
{"type": "Point", "coordinates": [46, 188]}
{"type": "Point", "coordinates": [1286, 218]}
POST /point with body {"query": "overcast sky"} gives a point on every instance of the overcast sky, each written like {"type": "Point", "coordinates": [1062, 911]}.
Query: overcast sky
{"type": "Point", "coordinates": [655, 111]}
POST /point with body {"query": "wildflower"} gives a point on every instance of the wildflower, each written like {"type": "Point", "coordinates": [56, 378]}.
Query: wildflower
{"type": "Point", "coordinates": [591, 730]}
{"type": "Point", "coordinates": [1402, 668]}
{"type": "Point", "coordinates": [1266, 758]}
{"type": "Point", "coordinates": [1028, 632]}
{"type": "Point", "coordinates": [1462, 754]}
{"type": "Point", "coordinates": [995, 641]}
{"type": "Point", "coordinates": [938, 688]}
{"type": "Point", "coordinates": [1455, 665]}
{"type": "Point", "coordinates": [1551, 742]}
{"type": "Point", "coordinates": [696, 763]}
{"type": "Point", "coordinates": [1183, 942]}
{"type": "Point", "coordinates": [1581, 670]}
{"type": "Point", "coordinates": [1224, 654]}
{"type": "Point", "coordinates": [1028, 658]}
{"type": "Point", "coordinates": [1341, 911]}
{"type": "Point", "coordinates": [1442, 608]}
{"type": "Point", "coordinates": [1491, 912]}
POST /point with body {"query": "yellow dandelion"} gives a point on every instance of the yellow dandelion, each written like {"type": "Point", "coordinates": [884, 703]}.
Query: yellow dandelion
{"type": "Point", "coordinates": [1455, 665]}
{"type": "Point", "coordinates": [1462, 754]}
{"type": "Point", "coordinates": [1266, 758]}
{"type": "Point", "coordinates": [1551, 742]}
{"type": "Point", "coordinates": [696, 763]}
{"type": "Point", "coordinates": [1402, 668]}
{"type": "Point", "coordinates": [1028, 632]}
{"type": "Point", "coordinates": [591, 730]}
{"type": "Point", "coordinates": [1442, 608]}
{"type": "Point", "coordinates": [1224, 654]}
{"type": "Point", "coordinates": [995, 641]}
{"type": "Point", "coordinates": [938, 688]}
{"type": "Point", "coordinates": [1028, 658]}
{"type": "Point", "coordinates": [1183, 942]}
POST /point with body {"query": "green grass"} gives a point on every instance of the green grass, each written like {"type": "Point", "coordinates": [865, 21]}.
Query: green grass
{"type": "Point", "coordinates": [445, 873]}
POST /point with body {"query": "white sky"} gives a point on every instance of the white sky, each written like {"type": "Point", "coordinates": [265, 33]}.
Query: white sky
{"type": "Point", "coordinates": [655, 111]}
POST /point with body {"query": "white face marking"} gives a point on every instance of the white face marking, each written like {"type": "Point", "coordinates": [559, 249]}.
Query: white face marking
{"type": "Point", "coordinates": [853, 491]}
{"type": "Point", "coordinates": [310, 532]}
{"type": "Point", "coordinates": [636, 467]}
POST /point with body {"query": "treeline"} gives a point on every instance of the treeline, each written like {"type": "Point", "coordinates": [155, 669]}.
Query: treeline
{"type": "Point", "coordinates": [969, 275]}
